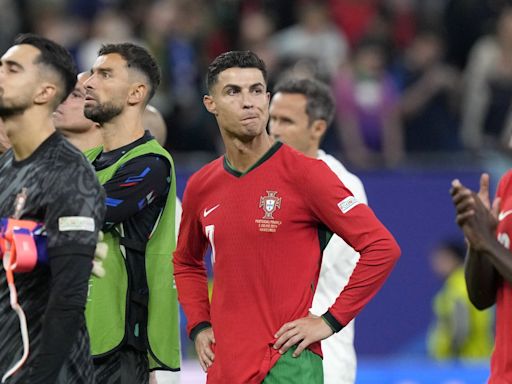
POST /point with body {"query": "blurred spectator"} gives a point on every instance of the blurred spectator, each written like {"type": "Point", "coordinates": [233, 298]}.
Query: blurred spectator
{"type": "Point", "coordinates": [430, 90]}
{"type": "Point", "coordinates": [460, 330]}
{"type": "Point", "coordinates": [10, 23]}
{"type": "Point", "coordinates": [109, 26]}
{"type": "Point", "coordinates": [314, 36]}
{"type": "Point", "coordinates": [256, 29]}
{"type": "Point", "coordinates": [354, 17]}
{"type": "Point", "coordinates": [488, 88]}
{"type": "Point", "coordinates": [367, 108]}
{"type": "Point", "coordinates": [463, 22]}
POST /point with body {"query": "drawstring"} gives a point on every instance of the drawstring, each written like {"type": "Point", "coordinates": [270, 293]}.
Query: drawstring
{"type": "Point", "coordinates": [19, 311]}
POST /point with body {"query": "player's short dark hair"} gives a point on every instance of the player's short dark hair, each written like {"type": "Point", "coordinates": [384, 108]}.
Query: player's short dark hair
{"type": "Point", "coordinates": [56, 58]}
{"type": "Point", "coordinates": [319, 98]}
{"type": "Point", "coordinates": [233, 59]}
{"type": "Point", "coordinates": [138, 58]}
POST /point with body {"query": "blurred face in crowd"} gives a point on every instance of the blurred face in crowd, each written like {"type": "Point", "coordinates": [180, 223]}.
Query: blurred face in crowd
{"type": "Point", "coordinates": [444, 262]}
{"type": "Point", "coordinates": [289, 122]}
{"type": "Point", "coordinates": [107, 89]}
{"type": "Point", "coordinates": [239, 100]}
{"type": "Point", "coordinates": [69, 115]}
{"type": "Point", "coordinates": [19, 79]}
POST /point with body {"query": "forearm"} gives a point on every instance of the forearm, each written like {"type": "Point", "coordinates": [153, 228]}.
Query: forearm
{"type": "Point", "coordinates": [192, 285]}
{"type": "Point", "coordinates": [370, 273]}
{"type": "Point", "coordinates": [500, 258]}
{"type": "Point", "coordinates": [63, 317]}
{"type": "Point", "coordinates": [481, 279]}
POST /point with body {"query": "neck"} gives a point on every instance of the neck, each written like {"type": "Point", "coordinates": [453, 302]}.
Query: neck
{"type": "Point", "coordinates": [27, 131]}
{"type": "Point", "coordinates": [84, 140]}
{"type": "Point", "coordinates": [121, 131]}
{"type": "Point", "coordinates": [242, 155]}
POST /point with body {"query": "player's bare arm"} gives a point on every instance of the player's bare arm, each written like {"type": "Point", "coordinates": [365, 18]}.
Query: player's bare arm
{"type": "Point", "coordinates": [301, 332]}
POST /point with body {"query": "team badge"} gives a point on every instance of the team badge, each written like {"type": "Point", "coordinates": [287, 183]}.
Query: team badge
{"type": "Point", "coordinates": [269, 204]}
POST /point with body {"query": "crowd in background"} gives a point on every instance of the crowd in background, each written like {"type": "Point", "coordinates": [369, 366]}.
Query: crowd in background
{"type": "Point", "coordinates": [410, 77]}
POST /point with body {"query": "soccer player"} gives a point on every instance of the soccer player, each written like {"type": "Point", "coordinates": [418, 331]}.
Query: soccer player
{"type": "Point", "coordinates": [300, 113]}
{"type": "Point", "coordinates": [265, 210]}
{"type": "Point", "coordinates": [488, 268]}
{"type": "Point", "coordinates": [62, 192]}
{"type": "Point", "coordinates": [132, 313]}
{"type": "Point", "coordinates": [70, 120]}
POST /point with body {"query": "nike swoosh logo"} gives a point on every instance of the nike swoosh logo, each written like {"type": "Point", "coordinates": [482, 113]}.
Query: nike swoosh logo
{"type": "Point", "coordinates": [502, 215]}
{"type": "Point", "coordinates": [208, 211]}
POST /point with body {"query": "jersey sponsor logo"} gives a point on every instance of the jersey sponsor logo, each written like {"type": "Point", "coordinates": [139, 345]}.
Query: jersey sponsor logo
{"type": "Point", "coordinates": [269, 204]}
{"type": "Point", "coordinates": [206, 212]}
{"type": "Point", "coordinates": [347, 204]}
{"type": "Point", "coordinates": [76, 223]}
{"type": "Point", "coordinates": [504, 214]}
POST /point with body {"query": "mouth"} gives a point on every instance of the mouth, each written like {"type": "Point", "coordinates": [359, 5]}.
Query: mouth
{"type": "Point", "coordinates": [249, 118]}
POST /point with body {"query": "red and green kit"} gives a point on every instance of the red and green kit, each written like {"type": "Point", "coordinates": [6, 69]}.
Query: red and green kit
{"type": "Point", "coordinates": [267, 228]}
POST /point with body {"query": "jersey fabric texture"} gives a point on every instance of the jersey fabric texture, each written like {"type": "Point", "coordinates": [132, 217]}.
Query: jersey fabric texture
{"type": "Point", "coordinates": [460, 330]}
{"type": "Point", "coordinates": [501, 359]}
{"type": "Point", "coordinates": [135, 304]}
{"type": "Point", "coordinates": [338, 262]}
{"type": "Point", "coordinates": [266, 228]}
{"type": "Point", "coordinates": [64, 194]}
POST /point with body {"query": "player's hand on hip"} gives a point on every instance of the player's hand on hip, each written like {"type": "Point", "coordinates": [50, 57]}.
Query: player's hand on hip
{"type": "Point", "coordinates": [203, 343]}
{"type": "Point", "coordinates": [303, 332]}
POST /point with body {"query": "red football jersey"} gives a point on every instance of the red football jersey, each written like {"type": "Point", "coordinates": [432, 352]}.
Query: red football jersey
{"type": "Point", "coordinates": [266, 230]}
{"type": "Point", "coordinates": [501, 360]}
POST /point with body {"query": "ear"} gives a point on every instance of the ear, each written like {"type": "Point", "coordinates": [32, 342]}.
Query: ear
{"type": "Point", "coordinates": [46, 94]}
{"type": "Point", "coordinates": [138, 93]}
{"type": "Point", "coordinates": [209, 104]}
{"type": "Point", "coordinates": [318, 128]}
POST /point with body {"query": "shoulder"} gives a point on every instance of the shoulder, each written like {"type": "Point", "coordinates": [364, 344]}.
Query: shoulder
{"type": "Point", "coordinates": [350, 180]}
{"type": "Point", "coordinates": [207, 174]}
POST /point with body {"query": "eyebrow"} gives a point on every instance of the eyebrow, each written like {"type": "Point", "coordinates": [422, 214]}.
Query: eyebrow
{"type": "Point", "coordinates": [101, 69]}
{"type": "Point", "coordinates": [236, 86]}
{"type": "Point", "coordinates": [12, 63]}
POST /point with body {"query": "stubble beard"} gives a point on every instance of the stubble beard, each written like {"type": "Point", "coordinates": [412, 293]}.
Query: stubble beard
{"type": "Point", "coordinates": [102, 113]}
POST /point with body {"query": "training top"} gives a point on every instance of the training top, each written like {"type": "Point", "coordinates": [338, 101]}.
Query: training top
{"type": "Point", "coordinates": [501, 360]}
{"type": "Point", "coordinates": [64, 194]}
{"type": "Point", "coordinates": [267, 228]}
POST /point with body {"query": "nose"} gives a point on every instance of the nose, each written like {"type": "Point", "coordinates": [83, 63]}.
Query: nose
{"type": "Point", "coordinates": [247, 100]}
{"type": "Point", "coordinates": [88, 83]}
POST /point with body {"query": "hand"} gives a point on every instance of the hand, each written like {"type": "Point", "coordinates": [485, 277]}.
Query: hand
{"type": "Point", "coordinates": [203, 344]}
{"type": "Point", "coordinates": [100, 254]}
{"type": "Point", "coordinates": [473, 214]}
{"type": "Point", "coordinates": [306, 330]}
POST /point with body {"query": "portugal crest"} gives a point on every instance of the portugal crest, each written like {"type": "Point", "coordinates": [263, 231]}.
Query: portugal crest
{"type": "Point", "coordinates": [269, 204]}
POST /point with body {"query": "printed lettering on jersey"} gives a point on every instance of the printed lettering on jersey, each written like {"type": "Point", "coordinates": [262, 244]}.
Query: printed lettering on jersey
{"type": "Point", "coordinates": [347, 204]}
{"type": "Point", "coordinates": [269, 204]}
{"type": "Point", "coordinates": [504, 239]}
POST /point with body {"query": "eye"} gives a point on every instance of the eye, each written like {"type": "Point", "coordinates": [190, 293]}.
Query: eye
{"type": "Point", "coordinates": [258, 91]}
{"type": "Point", "coordinates": [77, 95]}
{"type": "Point", "coordinates": [232, 91]}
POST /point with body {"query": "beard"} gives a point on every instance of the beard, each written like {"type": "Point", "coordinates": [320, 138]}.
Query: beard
{"type": "Point", "coordinates": [12, 108]}
{"type": "Point", "coordinates": [102, 113]}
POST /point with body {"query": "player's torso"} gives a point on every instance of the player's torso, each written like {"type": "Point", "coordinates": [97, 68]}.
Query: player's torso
{"type": "Point", "coordinates": [263, 235]}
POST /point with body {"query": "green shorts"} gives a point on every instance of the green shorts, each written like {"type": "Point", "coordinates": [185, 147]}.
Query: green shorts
{"type": "Point", "coordinates": [305, 369]}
